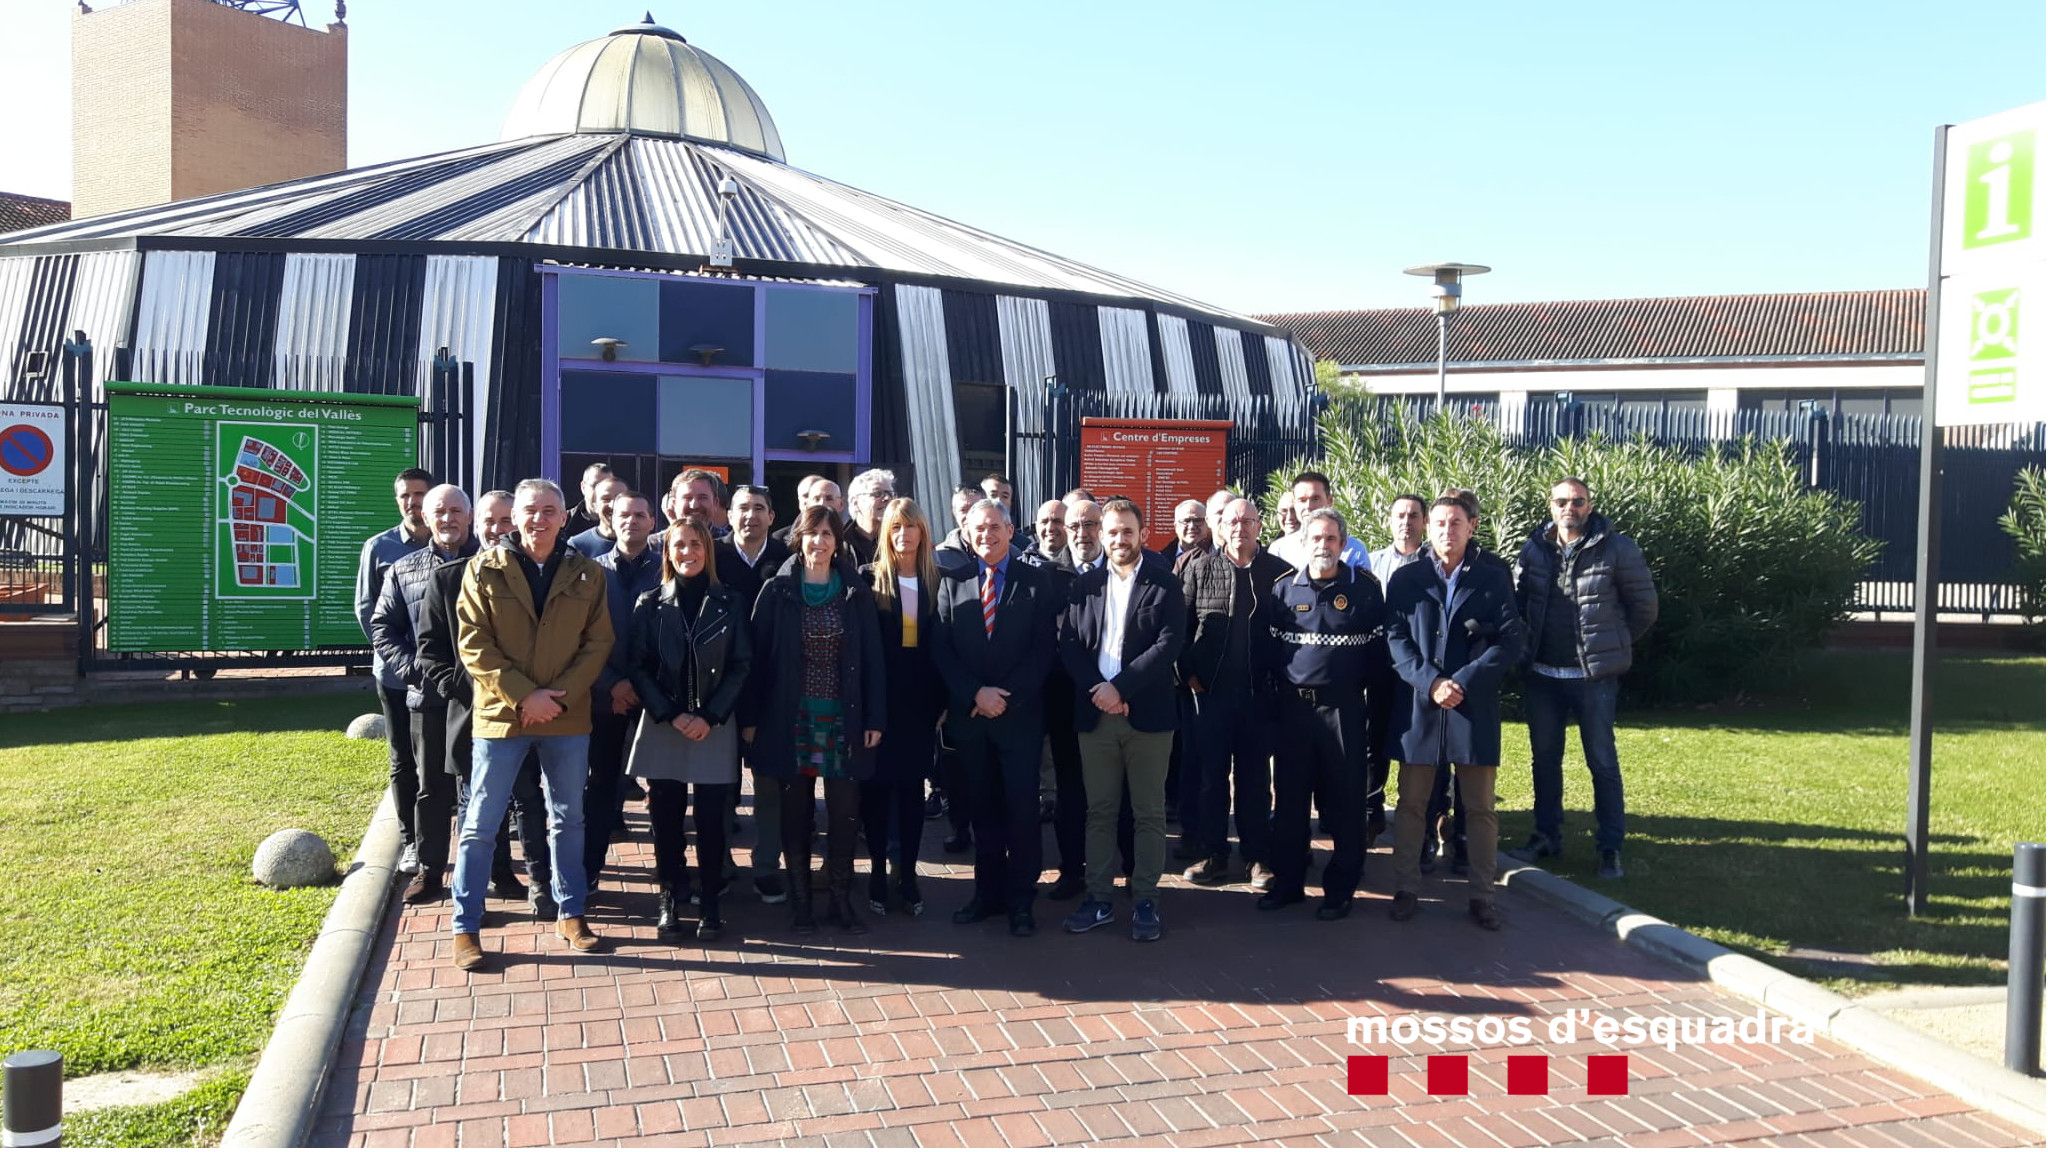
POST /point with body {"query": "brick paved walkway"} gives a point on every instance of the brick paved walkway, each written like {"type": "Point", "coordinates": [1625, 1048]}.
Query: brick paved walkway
{"type": "Point", "coordinates": [1229, 1031]}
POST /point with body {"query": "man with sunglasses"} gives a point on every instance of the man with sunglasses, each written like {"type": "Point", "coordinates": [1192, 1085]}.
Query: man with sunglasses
{"type": "Point", "coordinates": [1587, 596]}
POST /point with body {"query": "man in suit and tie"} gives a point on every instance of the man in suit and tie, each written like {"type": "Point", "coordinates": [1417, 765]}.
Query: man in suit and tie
{"type": "Point", "coordinates": [993, 649]}
{"type": "Point", "coordinates": [1119, 638]}
{"type": "Point", "coordinates": [1084, 535]}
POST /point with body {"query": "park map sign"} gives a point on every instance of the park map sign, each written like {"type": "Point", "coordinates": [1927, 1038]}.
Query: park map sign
{"type": "Point", "coordinates": [237, 515]}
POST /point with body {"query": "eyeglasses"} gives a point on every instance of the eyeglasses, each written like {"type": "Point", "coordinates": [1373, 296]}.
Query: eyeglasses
{"type": "Point", "coordinates": [1073, 524]}
{"type": "Point", "coordinates": [1572, 502]}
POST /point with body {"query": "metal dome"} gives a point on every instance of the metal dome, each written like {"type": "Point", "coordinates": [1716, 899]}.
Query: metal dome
{"type": "Point", "coordinates": [647, 79]}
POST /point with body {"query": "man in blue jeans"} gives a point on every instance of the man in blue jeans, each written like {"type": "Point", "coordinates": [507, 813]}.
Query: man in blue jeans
{"type": "Point", "coordinates": [1587, 596]}
{"type": "Point", "coordinates": [533, 631]}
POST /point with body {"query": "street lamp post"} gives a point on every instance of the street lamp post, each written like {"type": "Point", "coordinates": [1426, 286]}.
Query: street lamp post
{"type": "Point", "coordinates": [1447, 289]}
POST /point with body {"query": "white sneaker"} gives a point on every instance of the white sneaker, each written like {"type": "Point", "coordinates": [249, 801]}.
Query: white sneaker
{"type": "Point", "coordinates": [409, 860]}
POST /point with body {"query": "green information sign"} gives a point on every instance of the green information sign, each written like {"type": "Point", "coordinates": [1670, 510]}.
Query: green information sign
{"type": "Point", "coordinates": [236, 515]}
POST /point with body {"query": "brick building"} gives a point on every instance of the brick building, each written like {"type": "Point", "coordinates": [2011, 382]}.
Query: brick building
{"type": "Point", "coordinates": [176, 99]}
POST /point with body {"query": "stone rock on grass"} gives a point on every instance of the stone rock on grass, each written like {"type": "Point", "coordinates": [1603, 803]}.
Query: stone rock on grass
{"type": "Point", "coordinates": [293, 858]}
{"type": "Point", "coordinates": [368, 726]}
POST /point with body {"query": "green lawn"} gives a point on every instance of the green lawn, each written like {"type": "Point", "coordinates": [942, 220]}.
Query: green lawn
{"type": "Point", "coordinates": [139, 939]}
{"type": "Point", "coordinates": [1780, 824]}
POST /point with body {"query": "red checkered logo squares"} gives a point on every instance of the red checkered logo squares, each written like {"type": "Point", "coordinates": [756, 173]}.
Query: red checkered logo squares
{"type": "Point", "coordinates": [1528, 1075]}
{"type": "Point", "coordinates": [1452, 1075]}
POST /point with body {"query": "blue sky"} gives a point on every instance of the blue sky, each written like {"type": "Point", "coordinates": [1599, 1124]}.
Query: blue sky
{"type": "Point", "coordinates": [1285, 156]}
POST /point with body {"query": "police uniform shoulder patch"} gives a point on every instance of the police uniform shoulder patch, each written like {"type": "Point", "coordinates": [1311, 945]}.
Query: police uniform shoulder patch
{"type": "Point", "coordinates": [1341, 602]}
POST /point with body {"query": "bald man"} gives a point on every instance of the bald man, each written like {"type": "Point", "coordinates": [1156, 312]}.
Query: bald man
{"type": "Point", "coordinates": [396, 624]}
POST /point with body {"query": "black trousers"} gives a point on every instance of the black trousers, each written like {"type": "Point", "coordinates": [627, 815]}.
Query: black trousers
{"type": "Point", "coordinates": [434, 795]}
{"type": "Point", "coordinates": [1321, 754]}
{"type": "Point", "coordinates": [1184, 781]}
{"type": "Point", "coordinates": [604, 800]}
{"type": "Point", "coordinates": [1001, 778]}
{"type": "Point", "coordinates": [1070, 798]}
{"type": "Point", "coordinates": [1234, 740]}
{"type": "Point", "coordinates": [952, 780]}
{"type": "Point", "coordinates": [405, 770]}
{"type": "Point", "coordinates": [668, 802]}
{"type": "Point", "coordinates": [1380, 704]}
{"type": "Point", "coordinates": [799, 832]}
{"type": "Point", "coordinates": [892, 804]}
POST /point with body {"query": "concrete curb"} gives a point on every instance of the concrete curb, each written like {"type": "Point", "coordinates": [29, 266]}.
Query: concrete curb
{"type": "Point", "coordinates": [1969, 1078]}
{"type": "Point", "coordinates": [278, 1107]}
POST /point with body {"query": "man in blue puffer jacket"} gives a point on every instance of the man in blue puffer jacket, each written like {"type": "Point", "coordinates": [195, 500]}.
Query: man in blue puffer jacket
{"type": "Point", "coordinates": [1587, 596]}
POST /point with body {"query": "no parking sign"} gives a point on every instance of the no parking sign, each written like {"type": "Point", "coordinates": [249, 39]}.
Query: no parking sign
{"type": "Point", "coordinates": [32, 467]}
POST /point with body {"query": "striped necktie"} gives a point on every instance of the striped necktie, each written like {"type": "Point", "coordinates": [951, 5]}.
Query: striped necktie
{"type": "Point", "coordinates": [988, 602]}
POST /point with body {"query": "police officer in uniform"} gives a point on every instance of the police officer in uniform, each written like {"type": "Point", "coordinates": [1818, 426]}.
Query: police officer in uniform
{"type": "Point", "coordinates": [1327, 643]}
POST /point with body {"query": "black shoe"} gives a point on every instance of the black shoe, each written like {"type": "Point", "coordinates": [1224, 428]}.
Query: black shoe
{"type": "Point", "coordinates": [506, 886]}
{"type": "Point", "coordinates": [1610, 864]}
{"type": "Point", "coordinates": [913, 900]}
{"type": "Point", "coordinates": [1540, 847]}
{"type": "Point", "coordinates": [667, 924]}
{"type": "Point", "coordinates": [801, 919]}
{"type": "Point", "coordinates": [878, 892]}
{"type": "Point", "coordinates": [1071, 884]}
{"type": "Point", "coordinates": [1274, 901]}
{"type": "Point", "coordinates": [1022, 924]}
{"type": "Point", "coordinates": [542, 902]}
{"type": "Point", "coordinates": [1209, 873]}
{"type": "Point", "coordinates": [954, 845]}
{"type": "Point", "coordinates": [1145, 925]}
{"type": "Point", "coordinates": [709, 925]}
{"type": "Point", "coordinates": [840, 914]}
{"type": "Point", "coordinates": [1333, 909]}
{"type": "Point", "coordinates": [1484, 914]}
{"type": "Point", "coordinates": [769, 888]}
{"type": "Point", "coordinates": [934, 806]}
{"type": "Point", "coordinates": [1430, 851]}
{"type": "Point", "coordinates": [976, 910]}
{"type": "Point", "coordinates": [1404, 908]}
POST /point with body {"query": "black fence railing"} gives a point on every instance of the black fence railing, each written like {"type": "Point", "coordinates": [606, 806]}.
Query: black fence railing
{"type": "Point", "coordinates": [1873, 460]}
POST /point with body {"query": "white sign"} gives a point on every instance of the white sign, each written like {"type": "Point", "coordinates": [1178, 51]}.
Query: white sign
{"type": "Point", "coordinates": [1991, 363]}
{"type": "Point", "coordinates": [32, 465]}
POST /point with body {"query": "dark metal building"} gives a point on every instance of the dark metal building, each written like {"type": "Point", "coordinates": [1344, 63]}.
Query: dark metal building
{"type": "Point", "coordinates": [627, 162]}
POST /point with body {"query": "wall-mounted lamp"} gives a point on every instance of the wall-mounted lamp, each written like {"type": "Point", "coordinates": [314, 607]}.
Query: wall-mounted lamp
{"type": "Point", "coordinates": [813, 438]}
{"type": "Point", "coordinates": [608, 347]}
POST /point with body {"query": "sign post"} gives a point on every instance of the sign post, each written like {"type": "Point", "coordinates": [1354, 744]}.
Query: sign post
{"type": "Point", "coordinates": [1987, 357]}
{"type": "Point", "coordinates": [1157, 463]}
{"type": "Point", "coordinates": [237, 515]}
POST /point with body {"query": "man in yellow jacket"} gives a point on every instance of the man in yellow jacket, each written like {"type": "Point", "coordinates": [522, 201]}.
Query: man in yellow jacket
{"type": "Point", "coordinates": [533, 632]}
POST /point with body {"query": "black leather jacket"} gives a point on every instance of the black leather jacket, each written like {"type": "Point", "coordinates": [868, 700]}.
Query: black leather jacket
{"type": "Point", "coordinates": [719, 648]}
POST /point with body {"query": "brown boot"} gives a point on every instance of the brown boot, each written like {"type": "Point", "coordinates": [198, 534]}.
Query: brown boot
{"type": "Point", "coordinates": [579, 935]}
{"type": "Point", "coordinates": [469, 951]}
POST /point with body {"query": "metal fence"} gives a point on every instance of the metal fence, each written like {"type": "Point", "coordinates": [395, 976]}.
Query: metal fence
{"type": "Point", "coordinates": [1873, 460]}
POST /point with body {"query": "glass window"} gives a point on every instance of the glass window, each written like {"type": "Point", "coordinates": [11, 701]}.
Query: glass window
{"type": "Point", "coordinates": [812, 330]}
{"type": "Point", "coordinates": [707, 320]}
{"type": "Point", "coordinates": [607, 412]}
{"type": "Point", "coordinates": [800, 402]}
{"type": "Point", "coordinates": [706, 416]}
{"type": "Point", "coordinates": [614, 307]}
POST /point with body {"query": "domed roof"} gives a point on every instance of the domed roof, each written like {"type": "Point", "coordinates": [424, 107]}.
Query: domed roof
{"type": "Point", "coordinates": [647, 79]}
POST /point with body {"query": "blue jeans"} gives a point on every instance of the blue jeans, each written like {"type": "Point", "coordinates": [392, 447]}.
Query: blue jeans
{"type": "Point", "coordinates": [494, 771]}
{"type": "Point", "coordinates": [1551, 703]}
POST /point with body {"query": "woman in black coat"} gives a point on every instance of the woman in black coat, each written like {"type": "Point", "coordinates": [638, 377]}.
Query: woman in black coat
{"type": "Point", "coordinates": [814, 708]}
{"type": "Point", "coordinates": [1453, 632]}
{"type": "Point", "coordinates": [688, 651]}
{"type": "Point", "coordinates": [905, 583]}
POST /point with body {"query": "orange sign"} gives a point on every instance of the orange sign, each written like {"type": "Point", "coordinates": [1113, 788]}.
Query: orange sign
{"type": "Point", "coordinates": [1157, 463]}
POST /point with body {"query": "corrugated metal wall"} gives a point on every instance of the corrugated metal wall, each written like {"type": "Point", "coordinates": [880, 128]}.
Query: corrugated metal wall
{"type": "Point", "coordinates": [1126, 351]}
{"type": "Point", "coordinates": [458, 304]}
{"type": "Point", "coordinates": [1230, 363]}
{"type": "Point", "coordinates": [241, 325]}
{"type": "Point", "coordinates": [314, 306]}
{"type": "Point", "coordinates": [1026, 332]}
{"type": "Point", "coordinates": [384, 324]}
{"type": "Point", "coordinates": [172, 316]}
{"type": "Point", "coordinates": [511, 416]}
{"type": "Point", "coordinates": [928, 389]}
{"type": "Point", "coordinates": [1179, 357]}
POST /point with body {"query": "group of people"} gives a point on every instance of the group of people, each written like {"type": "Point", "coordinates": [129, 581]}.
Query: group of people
{"type": "Point", "coordinates": [535, 660]}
